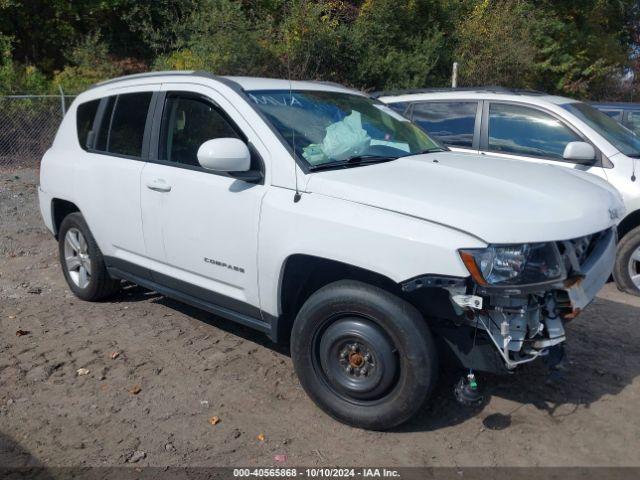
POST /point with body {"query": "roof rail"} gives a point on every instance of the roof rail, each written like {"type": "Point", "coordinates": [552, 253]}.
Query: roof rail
{"type": "Point", "coordinates": [147, 75]}
{"type": "Point", "coordinates": [197, 73]}
{"type": "Point", "coordinates": [489, 89]}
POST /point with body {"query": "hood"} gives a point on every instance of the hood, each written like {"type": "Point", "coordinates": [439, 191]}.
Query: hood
{"type": "Point", "coordinates": [497, 200]}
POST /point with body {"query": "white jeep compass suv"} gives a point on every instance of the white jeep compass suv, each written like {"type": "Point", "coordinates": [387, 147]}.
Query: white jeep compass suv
{"type": "Point", "coordinates": [321, 217]}
{"type": "Point", "coordinates": [539, 128]}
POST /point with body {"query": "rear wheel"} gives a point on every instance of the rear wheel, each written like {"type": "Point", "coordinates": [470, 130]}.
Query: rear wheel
{"type": "Point", "coordinates": [626, 271]}
{"type": "Point", "coordinates": [82, 262]}
{"type": "Point", "coordinates": [363, 355]}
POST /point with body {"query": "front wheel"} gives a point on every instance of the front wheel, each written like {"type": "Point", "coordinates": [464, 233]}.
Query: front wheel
{"type": "Point", "coordinates": [626, 270]}
{"type": "Point", "coordinates": [363, 355]}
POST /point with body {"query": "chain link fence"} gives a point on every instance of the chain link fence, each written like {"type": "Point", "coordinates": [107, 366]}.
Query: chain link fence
{"type": "Point", "coordinates": [28, 124]}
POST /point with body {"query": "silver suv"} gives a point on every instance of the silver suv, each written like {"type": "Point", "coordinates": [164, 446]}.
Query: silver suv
{"type": "Point", "coordinates": [539, 128]}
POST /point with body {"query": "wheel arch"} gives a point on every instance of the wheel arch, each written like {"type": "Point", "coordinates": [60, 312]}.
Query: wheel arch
{"type": "Point", "coordinates": [60, 208]}
{"type": "Point", "coordinates": [628, 223]}
{"type": "Point", "coordinates": [304, 274]}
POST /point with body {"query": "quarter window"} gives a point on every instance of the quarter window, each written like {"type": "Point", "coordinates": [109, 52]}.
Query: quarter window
{"type": "Point", "coordinates": [187, 123]}
{"type": "Point", "coordinates": [453, 123]}
{"type": "Point", "coordinates": [526, 131]}
{"type": "Point", "coordinates": [84, 121]}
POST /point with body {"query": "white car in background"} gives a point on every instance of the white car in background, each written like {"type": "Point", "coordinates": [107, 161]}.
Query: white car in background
{"type": "Point", "coordinates": [538, 128]}
{"type": "Point", "coordinates": [325, 219]}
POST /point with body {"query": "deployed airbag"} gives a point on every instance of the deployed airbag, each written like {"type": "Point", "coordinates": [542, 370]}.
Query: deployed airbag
{"type": "Point", "coordinates": [343, 139]}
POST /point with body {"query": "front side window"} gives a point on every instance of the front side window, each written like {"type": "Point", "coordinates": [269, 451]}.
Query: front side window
{"type": "Point", "coordinates": [188, 122]}
{"type": "Point", "coordinates": [526, 131]}
{"type": "Point", "coordinates": [329, 128]}
{"type": "Point", "coordinates": [85, 116]}
{"type": "Point", "coordinates": [452, 123]}
{"type": "Point", "coordinates": [620, 137]}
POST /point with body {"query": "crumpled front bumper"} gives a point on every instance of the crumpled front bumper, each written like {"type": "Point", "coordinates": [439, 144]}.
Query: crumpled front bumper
{"type": "Point", "coordinates": [583, 286]}
{"type": "Point", "coordinates": [523, 327]}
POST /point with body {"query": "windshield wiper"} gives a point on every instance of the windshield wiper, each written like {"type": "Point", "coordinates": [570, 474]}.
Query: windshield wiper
{"type": "Point", "coordinates": [354, 161]}
{"type": "Point", "coordinates": [427, 150]}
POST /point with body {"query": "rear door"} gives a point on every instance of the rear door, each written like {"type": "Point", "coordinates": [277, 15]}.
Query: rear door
{"type": "Point", "coordinates": [107, 177]}
{"type": "Point", "coordinates": [531, 134]}
{"type": "Point", "coordinates": [456, 124]}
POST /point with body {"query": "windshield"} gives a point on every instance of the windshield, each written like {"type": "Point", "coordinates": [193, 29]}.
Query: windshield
{"type": "Point", "coordinates": [621, 138]}
{"type": "Point", "coordinates": [326, 128]}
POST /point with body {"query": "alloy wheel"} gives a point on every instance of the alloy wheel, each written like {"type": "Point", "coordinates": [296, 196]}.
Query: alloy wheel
{"type": "Point", "coordinates": [76, 257]}
{"type": "Point", "coordinates": [634, 267]}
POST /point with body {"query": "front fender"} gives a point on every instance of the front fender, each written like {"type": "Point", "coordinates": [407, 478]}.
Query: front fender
{"type": "Point", "coordinates": [394, 245]}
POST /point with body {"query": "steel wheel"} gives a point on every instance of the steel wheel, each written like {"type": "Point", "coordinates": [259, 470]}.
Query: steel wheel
{"type": "Point", "coordinates": [634, 267]}
{"type": "Point", "coordinates": [356, 358]}
{"type": "Point", "coordinates": [77, 259]}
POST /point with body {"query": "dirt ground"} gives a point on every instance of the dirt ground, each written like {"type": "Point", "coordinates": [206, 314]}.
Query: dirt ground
{"type": "Point", "coordinates": [190, 366]}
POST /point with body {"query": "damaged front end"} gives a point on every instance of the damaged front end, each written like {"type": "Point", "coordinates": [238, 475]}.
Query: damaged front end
{"type": "Point", "coordinates": [519, 298]}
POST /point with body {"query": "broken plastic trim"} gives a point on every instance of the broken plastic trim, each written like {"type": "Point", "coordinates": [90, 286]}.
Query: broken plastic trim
{"type": "Point", "coordinates": [438, 281]}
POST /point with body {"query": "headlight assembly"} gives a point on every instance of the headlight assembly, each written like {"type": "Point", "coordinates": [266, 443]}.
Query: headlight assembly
{"type": "Point", "coordinates": [513, 265]}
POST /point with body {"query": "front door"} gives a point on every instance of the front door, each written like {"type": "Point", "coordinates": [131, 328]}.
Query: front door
{"type": "Point", "coordinates": [200, 227]}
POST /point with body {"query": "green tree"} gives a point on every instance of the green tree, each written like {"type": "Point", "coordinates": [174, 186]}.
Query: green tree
{"type": "Point", "coordinates": [396, 44]}
{"type": "Point", "coordinates": [312, 41]}
{"type": "Point", "coordinates": [89, 64]}
{"type": "Point", "coordinates": [220, 38]}
{"type": "Point", "coordinates": [583, 45]}
{"type": "Point", "coordinates": [495, 44]}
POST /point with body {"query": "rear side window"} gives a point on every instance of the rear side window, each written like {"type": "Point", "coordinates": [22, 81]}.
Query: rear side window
{"type": "Point", "coordinates": [103, 134]}
{"type": "Point", "coordinates": [85, 116]}
{"type": "Point", "coordinates": [123, 123]}
{"type": "Point", "coordinates": [452, 123]}
{"type": "Point", "coordinates": [526, 131]}
{"type": "Point", "coordinates": [127, 124]}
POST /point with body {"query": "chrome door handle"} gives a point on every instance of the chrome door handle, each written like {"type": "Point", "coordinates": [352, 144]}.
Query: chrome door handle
{"type": "Point", "coordinates": [159, 186]}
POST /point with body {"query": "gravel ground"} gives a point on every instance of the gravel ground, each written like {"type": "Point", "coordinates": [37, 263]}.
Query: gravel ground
{"type": "Point", "coordinates": [157, 372]}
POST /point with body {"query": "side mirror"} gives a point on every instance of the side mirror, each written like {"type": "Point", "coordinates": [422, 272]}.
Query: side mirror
{"type": "Point", "coordinates": [225, 155]}
{"type": "Point", "coordinates": [580, 152]}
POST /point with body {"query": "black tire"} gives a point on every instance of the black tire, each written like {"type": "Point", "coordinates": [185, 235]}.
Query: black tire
{"type": "Point", "coordinates": [626, 247]}
{"type": "Point", "coordinates": [100, 284]}
{"type": "Point", "coordinates": [347, 313]}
